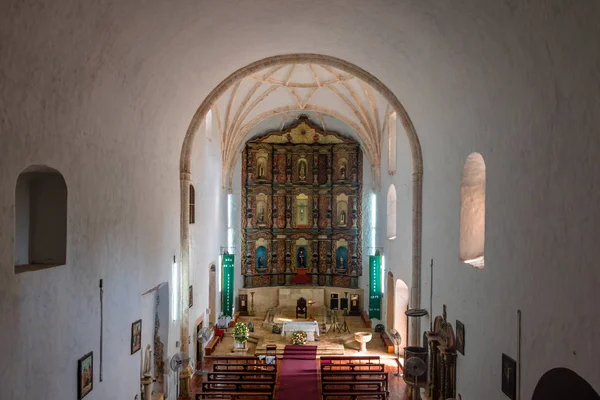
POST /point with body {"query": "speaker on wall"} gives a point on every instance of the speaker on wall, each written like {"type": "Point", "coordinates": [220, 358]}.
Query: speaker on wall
{"type": "Point", "coordinates": [334, 301]}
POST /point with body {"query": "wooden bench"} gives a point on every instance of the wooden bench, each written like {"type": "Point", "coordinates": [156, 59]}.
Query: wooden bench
{"type": "Point", "coordinates": [217, 367]}
{"type": "Point", "coordinates": [387, 343]}
{"type": "Point", "coordinates": [352, 367]}
{"type": "Point", "coordinates": [234, 395]}
{"type": "Point", "coordinates": [354, 376]}
{"type": "Point", "coordinates": [356, 395]}
{"type": "Point", "coordinates": [238, 386]}
{"type": "Point", "coordinates": [347, 386]}
{"type": "Point", "coordinates": [234, 319]}
{"type": "Point", "coordinates": [242, 376]}
{"type": "Point", "coordinates": [237, 359]}
{"type": "Point", "coordinates": [365, 318]}
{"type": "Point", "coordinates": [350, 359]}
{"type": "Point", "coordinates": [212, 345]}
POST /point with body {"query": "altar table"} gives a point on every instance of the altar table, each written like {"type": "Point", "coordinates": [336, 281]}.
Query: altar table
{"type": "Point", "coordinates": [310, 327]}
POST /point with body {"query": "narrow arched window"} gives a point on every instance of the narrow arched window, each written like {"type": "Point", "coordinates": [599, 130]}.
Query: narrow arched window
{"type": "Point", "coordinates": [392, 143]}
{"type": "Point", "coordinates": [192, 204]}
{"type": "Point", "coordinates": [40, 219]}
{"type": "Point", "coordinates": [472, 211]}
{"type": "Point", "coordinates": [391, 213]}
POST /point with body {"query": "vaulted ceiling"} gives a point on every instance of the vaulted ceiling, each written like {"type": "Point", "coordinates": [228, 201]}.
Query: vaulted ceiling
{"type": "Point", "coordinates": [288, 88]}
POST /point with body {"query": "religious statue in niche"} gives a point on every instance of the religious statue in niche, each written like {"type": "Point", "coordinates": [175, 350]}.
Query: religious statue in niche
{"type": "Point", "coordinates": [261, 256]}
{"type": "Point", "coordinates": [343, 171]}
{"type": "Point", "coordinates": [261, 206]}
{"type": "Point", "coordinates": [301, 258]}
{"type": "Point", "coordinates": [261, 170]}
{"type": "Point", "coordinates": [343, 218]}
{"type": "Point", "coordinates": [341, 256]}
{"type": "Point", "coordinates": [302, 170]}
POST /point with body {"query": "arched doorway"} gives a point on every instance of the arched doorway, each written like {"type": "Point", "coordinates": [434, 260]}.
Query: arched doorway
{"type": "Point", "coordinates": [401, 298]}
{"type": "Point", "coordinates": [390, 305]}
{"type": "Point", "coordinates": [562, 383]}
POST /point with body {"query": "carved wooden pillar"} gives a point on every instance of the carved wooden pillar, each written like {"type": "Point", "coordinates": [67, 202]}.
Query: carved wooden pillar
{"type": "Point", "coordinates": [288, 168]}
{"type": "Point", "coordinates": [274, 274]}
{"type": "Point", "coordinates": [288, 262]}
{"type": "Point", "coordinates": [329, 272]}
{"type": "Point", "coordinates": [288, 211]}
{"type": "Point", "coordinates": [354, 212]}
{"type": "Point", "coordinates": [315, 263]}
{"type": "Point", "coordinates": [315, 168]}
{"type": "Point", "coordinates": [354, 265]}
{"type": "Point", "coordinates": [315, 211]}
{"type": "Point", "coordinates": [330, 167]}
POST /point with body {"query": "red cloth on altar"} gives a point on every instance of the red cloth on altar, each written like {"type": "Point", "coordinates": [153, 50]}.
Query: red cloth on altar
{"type": "Point", "coordinates": [301, 276]}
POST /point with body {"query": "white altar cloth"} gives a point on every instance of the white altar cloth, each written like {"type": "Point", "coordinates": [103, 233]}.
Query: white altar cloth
{"type": "Point", "coordinates": [310, 327]}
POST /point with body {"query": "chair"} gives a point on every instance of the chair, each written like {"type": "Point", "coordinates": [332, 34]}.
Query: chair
{"type": "Point", "coordinates": [301, 307]}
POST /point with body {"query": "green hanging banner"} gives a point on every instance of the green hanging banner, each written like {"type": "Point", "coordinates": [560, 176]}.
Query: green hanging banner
{"type": "Point", "coordinates": [375, 287]}
{"type": "Point", "coordinates": [227, 285]}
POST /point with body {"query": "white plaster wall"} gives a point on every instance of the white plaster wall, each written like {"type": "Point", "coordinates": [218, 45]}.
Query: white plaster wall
{"type": "Point", "coordinates": [209, 233]}
{"type": "Point", "coordinates": [105, 91]}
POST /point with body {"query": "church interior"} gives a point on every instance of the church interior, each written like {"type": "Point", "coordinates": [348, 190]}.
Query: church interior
{"type": "Point", "coordinates": [299, 200]}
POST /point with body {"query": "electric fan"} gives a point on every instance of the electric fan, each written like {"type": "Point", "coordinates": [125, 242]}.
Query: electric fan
{"type": "Point", "coordinates": [416, 367]}
{"type": "Point", "coordinates": [179, 362]}
{"type": "Point", "coordinates": [398, 341]}
{"type": "Point", "coordinates": [205, 335]}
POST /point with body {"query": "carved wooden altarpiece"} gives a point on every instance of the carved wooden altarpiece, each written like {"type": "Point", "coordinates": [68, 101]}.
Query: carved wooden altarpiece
{"type": "Point", "coordinates": [301, 208]}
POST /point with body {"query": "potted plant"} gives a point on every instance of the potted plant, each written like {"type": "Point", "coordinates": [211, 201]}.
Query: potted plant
{"type": "Point", "coordinates": [240, 335]}
{"type": "Point", "coordinates": [299, 338]}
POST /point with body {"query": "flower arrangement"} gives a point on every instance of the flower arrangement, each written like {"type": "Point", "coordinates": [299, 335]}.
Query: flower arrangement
{"type": "Point", "coordinates": [299, 338]}
{"type": "Point", "coordinates": [240, 332]}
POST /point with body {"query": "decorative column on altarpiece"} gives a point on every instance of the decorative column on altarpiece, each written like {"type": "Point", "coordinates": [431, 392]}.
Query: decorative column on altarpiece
{"type": "Point", "coordinates": [315, 168]}
{"type": "Point", "coordinates": [328, 272]}
{"type": "Point", "coordinates": [288, 212]}
{"type": "Point", "coordinates": [315, 263]}
{"type": "Point", "coordinates": [354, 265]}
{"type": "Point", "coordinates": [315, 211]}
{"type": "Point", "coordinates": [288, 262]}
{"type": "Point", "coordinates": [354, 213]}
{"type": "Point", "coordinates": [288, 168]}
{"type": "Point", "coordinates": [330, 167]}
{"type": "Point", "coordinates": [248, 283]}
{"type": "Point", "coordinates": [274, 275]}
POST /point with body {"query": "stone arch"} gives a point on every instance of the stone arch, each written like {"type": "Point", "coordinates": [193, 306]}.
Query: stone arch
{"type": "Point", "coordinates": [562, 383]}
{"type": "Point", "coordinates": [303, 58]}
{"type": "Point", "coordinates": [472, 211]}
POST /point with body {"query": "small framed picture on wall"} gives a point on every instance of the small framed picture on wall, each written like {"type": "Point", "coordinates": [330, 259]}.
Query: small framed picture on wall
{"type": "Point", "coordinates": [509, 377]}
{"type": "Point", "coordinates": [136, 336]}
{"type": "Point", "coordinates": [85, 375]}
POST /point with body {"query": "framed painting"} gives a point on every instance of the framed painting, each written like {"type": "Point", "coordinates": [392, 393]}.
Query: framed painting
{"type": "Point", "coordinates": [509, 377]}
{"type": "Point", "coordinates": [136, 336]}
{"type": "Point", "coordinates": [85, 375]}
{"type": "Point", "coordinates": [460, 337]}
{"type": "Point", "coordinates": [191, 296]}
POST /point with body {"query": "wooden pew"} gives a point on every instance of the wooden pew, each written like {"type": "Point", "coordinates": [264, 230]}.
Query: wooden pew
{"type": "Point", "coordinates": [365, 318]}
{"type": "Point", "coordinates": [242, 376]}
{"type": "Point", "coordinates": [233, 396]}
{"type": "Point", "coordinates": [238, 386]}
{"type": "Point", "coordinates": [387, 343]}
{"type": "Point", "coordinates": [238, 359]}
{"type": "Point", "coordinates": [352, 367]}
{"type": "Point", "coordinates": [350, 360]}
{"type": "Point", "coordinates": [366, 395]}
{"type": "Point", "coordinates": [352, 386]}
{"type": "Point", "coordinates": [254, 367]}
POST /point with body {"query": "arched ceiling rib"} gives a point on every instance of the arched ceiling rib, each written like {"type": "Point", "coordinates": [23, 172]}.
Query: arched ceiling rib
{"type": "Point", "coordinates": [298, 86]}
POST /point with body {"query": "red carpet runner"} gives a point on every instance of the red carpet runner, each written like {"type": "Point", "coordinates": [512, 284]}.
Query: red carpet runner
{"type": "Point", "coordinates": [298, 376]}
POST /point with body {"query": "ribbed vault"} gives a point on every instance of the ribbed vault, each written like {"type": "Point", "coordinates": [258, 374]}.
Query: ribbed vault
{"type": "Point", "coordinates": [294, 86]}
